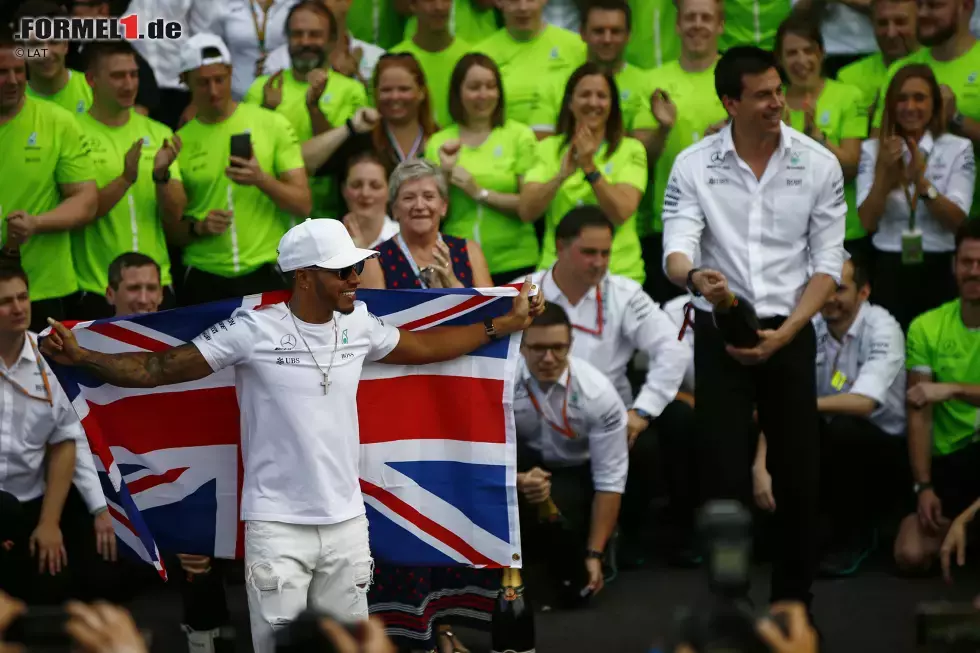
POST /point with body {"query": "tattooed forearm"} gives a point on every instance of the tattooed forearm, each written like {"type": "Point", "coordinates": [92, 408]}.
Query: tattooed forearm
{"type": "Point", "coordinates": [149, 370]}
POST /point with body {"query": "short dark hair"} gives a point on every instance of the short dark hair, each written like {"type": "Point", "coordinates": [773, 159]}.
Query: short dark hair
{"type": "Point", "coordinates": [609, 5]}
{"type": "Point", "coordinates": [969, 229]}
{"type": "Point", "coordinates": [862, 272]}
{"type": "Point", "coordinates": [316, 7]}
{"type": "Point", "coordinates": [39, 9]}
{"type": "Point", "coordinates": [96, 52]}
{"type": "Point", "coordinates": [798, 24]}
{"type": "Point", "coordinates": [552, 315]}
{"type": "Point", "coordinates": [614, 124]}
{"type": "Point", "coordinates": [737, 62]}
{"type": "Point", "coordinates": [463, 66]}
{"type": "Point", "coordinates": [128, 260]}
{"type": "Point", "coordinates": [11, 269]}
{"type": "Point", "coordinates": [580, 218]}
{"type": "Point", "coordinates": [7, 39]}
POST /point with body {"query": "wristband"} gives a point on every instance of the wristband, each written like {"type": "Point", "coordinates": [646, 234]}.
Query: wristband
{"type": "Point", "coordinates": [162, 180]}
{"type": "Point", "coordinates": [690, 282]}
{"type": "Point", "coordinates": [957, 120]}
{"type": "Point", "coordinates": [490, 329]}
{"type": "Point", "coordinates": [593, 553]}
{"type": "Point", "coordinates": [350, 128]}
{"type": "Point", "coordinates": [919, 488]}
{"type": "Point", "coordinates": [593, 177]}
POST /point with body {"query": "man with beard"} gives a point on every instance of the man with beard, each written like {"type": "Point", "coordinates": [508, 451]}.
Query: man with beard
{"type": "Point", "coordinates": [312, 97]}
{"type": "Point", "coordinates": [952, 52]}
{"type": "Point", "coordinates": [50, 78]}
{"type": "Point", "coordinates": [141, 197]}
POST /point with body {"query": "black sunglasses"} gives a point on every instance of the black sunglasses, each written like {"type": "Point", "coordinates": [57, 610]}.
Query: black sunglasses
{"type": "Point", "coordinates": [344, 273]}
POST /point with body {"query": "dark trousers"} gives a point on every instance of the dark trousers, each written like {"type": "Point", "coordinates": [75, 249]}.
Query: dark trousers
{"type": "Point", "coordinates": [784, 390]}
{"type": "Point", "coordinates": [93, 306]}
{"type": "Point", "coordinates": [59, 308]}
{"type": "Point", "coordinates": [572, 492]}
{"type": "Point", "coordinates": [678, 465]}
{"type": "Point", "coordinates": [657, 285]}
{"type": "Point", "coordinates": [907, 291]}
{"type": "Point", "coordinates": [201, 287]}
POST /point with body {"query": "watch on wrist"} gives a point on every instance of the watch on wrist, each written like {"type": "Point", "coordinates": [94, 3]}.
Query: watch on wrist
{"type": "Point", "coordinates": [957, 120]}
{"type": "Point", "coordinates": [593, 553]}
{"type": "Point", "coordinates": [161, 179]}
{"type": "Point", "coordinates": [930, 194]}
{"type": "Point", "coordinates": [593, 177]}
{"type": "Point", "coordinates": [919, 488]}
{"type": "Point", "coordinates": [642, 414]}
{"type": "Point", "coordinates": [490, 329]}
{"type": "Point", "coordinates": [690, 282]}
{"type": "Point", "coordinates": [483, 196]}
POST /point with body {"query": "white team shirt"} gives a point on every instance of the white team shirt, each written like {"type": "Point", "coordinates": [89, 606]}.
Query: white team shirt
{"type": "Point", "coordinates": [764, 235]}
{"type": "Point", "coordinates": [630, 321]}
{"type": "Point", "coordinates": [674, 309]}
{"type": "Point", "coordinates": [28, 425]}
{"type": "Point", "coordinates": [370, 54]}
{"type": "Point", "coordinates": [300, 448]}
{"type": "Point", "coordinates": [949, 167]}
{"type": "Point", "coordinates": [596, 417]}
{"type": "Point", "coordinates": [869, 361]}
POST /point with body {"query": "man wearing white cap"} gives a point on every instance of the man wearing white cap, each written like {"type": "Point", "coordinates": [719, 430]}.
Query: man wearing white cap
{"type": "Point", "coordinates": [297, 367]}
{"type": "Point", "coordinates": [239, 204]}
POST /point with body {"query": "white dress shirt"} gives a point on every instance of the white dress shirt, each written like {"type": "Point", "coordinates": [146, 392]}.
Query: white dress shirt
{"type": "Point", "coordinates": [563, 14]}
{"type": "Point", "coordinates": [630, 321]}
{"type": "Point", "coordinates": [28, 425]}
{"type": "Point", "coordinates": [764, 235]}
{"type": "Point", "coordinates": [300, 449]}
{"type": "Point", "coordinates": [949, 167]}
{"type": "Point", "coordinates": [370, 53]}
{"type": "Point", "coordinates": [869, 361]}
{"type": "Point", "coordinates": [846, 30]}
{"type": "Point", "coordinates": [596, 424]}
{"type": "Point", "coordinates": [674, 309]}
{"type": "Point", "coordinates": [163, 55]}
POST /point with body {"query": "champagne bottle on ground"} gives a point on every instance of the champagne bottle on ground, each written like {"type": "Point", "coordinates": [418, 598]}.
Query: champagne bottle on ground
{"type": "Point", "coordinates": [512, 628]}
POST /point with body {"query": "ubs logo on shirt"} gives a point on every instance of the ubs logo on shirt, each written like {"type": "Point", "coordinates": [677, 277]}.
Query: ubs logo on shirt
{"type": "Point", "coordinates": [287, 361]}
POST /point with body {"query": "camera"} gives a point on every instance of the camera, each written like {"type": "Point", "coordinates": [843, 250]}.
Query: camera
{"type": "Point", "coordinates": [305, 635]}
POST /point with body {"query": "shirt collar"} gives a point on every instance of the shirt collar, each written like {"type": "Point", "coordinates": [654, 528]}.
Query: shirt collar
{"type": "Point", "coordinates": [551, 287]}
{"type": "Point", "coordinates": [785, 138]}
{"type": "Point", "coordinates": [26, 352]}
{"type": "Point", "coordinates": [855, 329]}
{"type": "Point", "coordinates": [528, 378]}
{"type": "Point", "coordinates": [926, 144]}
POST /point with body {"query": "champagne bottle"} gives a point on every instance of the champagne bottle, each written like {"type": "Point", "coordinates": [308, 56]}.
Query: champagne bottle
{"type": "Point", "coordinates": [512, 628]}
{"type": "Point", "coordinates": [566, 558]}
{"type": "Point", "coordinates": [735, 317]}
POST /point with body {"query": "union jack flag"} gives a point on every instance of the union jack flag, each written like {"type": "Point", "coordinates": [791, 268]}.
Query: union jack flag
{"type": "Point", "coordinates": [438, 454]}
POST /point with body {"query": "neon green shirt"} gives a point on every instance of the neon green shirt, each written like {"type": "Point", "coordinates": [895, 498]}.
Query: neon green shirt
{"type": "Point", "coordinates": [258, 224]}
{"type": "Point", "coordinates": [75, 97]}
{"type": "Point", "coordinates": [866, 74]}
{"type": "Point", "coordinates": [496, 165]}
{"type": "Point", "coordinates": [940, 344]}
{"type": "Point", "coordinates": [698, 107]}
{"type": "Point", "coordinates": [376, 21]}
{"type": "Point", "coordinates": [627, 165]}
{"type": "Point", "coordinates": [340, 100]}
{"type": "Point", "coordinates": [134, 223]}
{"type": "Point", "coordinates": [438, 69]}
{"type": "Point", "coordinates": [841, 113]}
{"type": "Point", "coordinates": [43, 147]}
{"type": "Point", "coordinates": [961, 75]}
{"type": "Point", "coordinates": [653, 38]}
{"type": "Point", "coordinates": [465, 22]}
{"type": "Point", "coordinates": [753, 22]}
{"type": "Point", "coordinates": [525, 65]}
{"type": "Point", "coordinates": [634, 100]}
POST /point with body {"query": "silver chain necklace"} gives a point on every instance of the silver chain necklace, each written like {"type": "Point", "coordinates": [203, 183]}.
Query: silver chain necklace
{"type": "Point", "coordinates": [336, 340]}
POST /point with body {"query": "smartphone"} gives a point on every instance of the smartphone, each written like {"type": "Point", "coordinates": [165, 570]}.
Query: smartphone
{"type": "Point", "coordinates": [944, 626]}
{"type": "Point", "coordinates": [241, 145]}
{"type": "Point", "coordinates": [42, 628]}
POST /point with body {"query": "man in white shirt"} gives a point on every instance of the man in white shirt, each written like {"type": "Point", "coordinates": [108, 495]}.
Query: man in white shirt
{"type": "Point", "coordinates": [306, 538]}
{"type": "Point", "coordinates": [613, 318]}
{"type": "Point", "coordinates": [861, 398]}
{"type": "Point", "coordinates": [571, 438]}
{"type": "Point", "coordinates": [760, 204]}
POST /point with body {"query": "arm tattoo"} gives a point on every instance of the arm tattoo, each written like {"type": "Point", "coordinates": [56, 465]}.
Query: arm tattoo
{"type": "Point", "coordinates": [148, 370]}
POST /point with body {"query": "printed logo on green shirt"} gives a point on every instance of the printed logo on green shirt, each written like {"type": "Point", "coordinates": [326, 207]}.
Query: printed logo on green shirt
{"type": "Point", "coordinates": [609, 168]}
{"type": "Point", "coordinates": [498, 151]}
{"type": "Point", "coordinates": [32, 140]}
{"type": "Point", "coordinates": [971, 78]}
{"type": "Point", "coordinates": [80, 107]}
{"type": "Point", "coordinates": [825, 118]}
{"type": "Point", "coordinates": [554, 53]}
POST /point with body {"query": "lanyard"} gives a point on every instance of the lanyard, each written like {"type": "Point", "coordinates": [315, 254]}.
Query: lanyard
{"type": "Point", "coordinates": [403, 246]}
{"type": "Point", "coordinates": [688, 319]}
{"type": "Point", "coordinates": [839, 379]}
{"type": "Point", "coordinates": [260, 29]}
{"type": "Point", "coordinates": [907, 187]}
{"type": "Point", "coordinates": [416, 146]}
{"type": "Point", "coordinates": [599, 321]}
{"type": "Point", "coordinates": [48, 398]}
{"type": "Point", "coordinates": [565, 430]}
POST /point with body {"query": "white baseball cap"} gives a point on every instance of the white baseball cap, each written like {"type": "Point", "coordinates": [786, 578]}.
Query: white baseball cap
{"type": "Point", "coordinates": [322, 243]}
{"type": "Point", "coordinates": [192, 51]}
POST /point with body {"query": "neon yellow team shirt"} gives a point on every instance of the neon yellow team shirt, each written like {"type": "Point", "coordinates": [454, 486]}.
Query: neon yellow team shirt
{"type": "Point", "coordinates": [867, 74]}
{"type": "Point", "coordinates": [634, 99]}
{"type": "Point", "coordinates": [75, 97]}
{"type": "Point", "coordinates": [939, 343]}
{"type": "Point", "coordinates": [840, 113]}
{"type": "Point", "coordinates": [698, 107]}
{"type": "Point", "coordinates": [258, 224]}
{"type": "Point", "coordinates": [507, 154]}
{"type": "Point", "coordinates": [42, 148]}
{"type": "Point", "coordinates": [961, 75]}
{"type": "Point", "coordinates": [525, 65]}
{"type": "Point", "coordinates": [627, 165]}
{"type": "Point", "coordinates": [341, 98]}
{"type": "Point", "coordinates": [438, 68]}
{"type": "Point", "coordinates": [465, 22]}
{"type": "Point", "coordinates": [134, 224]}
{"type": "Point", "coordinates": [376, 21]}
{"type": "Point", "coordinates": [753, 22]}
{"type": "Point", "coordinates": [653, 37]}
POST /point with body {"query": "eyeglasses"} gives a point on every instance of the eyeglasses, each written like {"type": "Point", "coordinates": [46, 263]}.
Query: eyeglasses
{"type": "Point", "coordinates": [344, 273]}
{"type": "Point", "coordinates": [541, 350]}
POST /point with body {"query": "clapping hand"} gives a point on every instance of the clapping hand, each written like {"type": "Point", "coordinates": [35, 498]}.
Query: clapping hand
{"type": "Point", "coordinates": [949, 101]}
{"type": "Point", "coordinates": [354, 229]}
{"type": "Point", "coordinates": [443, 267]}
{"type": "Point", "coordinates": [131, 162]}
{"type": "Point", "coordinates": [449, 154]}
{"type": "Point", "coordinates": [463, 180]}
{"type": "Point", "coordinates": [889, 165]}
{"type": "Point", "coordinates": [318, 84]}
{"type": "Point", "coordinates": [272, 91]}
{"type": "Point", "coordinates": [346, 62]}
{"type": "Point", "coordinates": [917, 167]}
{"type": "Point", "coordinates": [663, 108]}
{"type": "Point", "coordinates": [585, 144]}
{"type": "Point", "coordinates": [166, 155]}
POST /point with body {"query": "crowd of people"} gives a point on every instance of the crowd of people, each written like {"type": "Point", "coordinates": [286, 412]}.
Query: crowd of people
{"type": "Point", "coordinates": [640, 162]}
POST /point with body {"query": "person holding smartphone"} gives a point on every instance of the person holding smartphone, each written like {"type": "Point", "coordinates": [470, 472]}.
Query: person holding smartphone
{"type": "Point", "coordinates": [245, 182]}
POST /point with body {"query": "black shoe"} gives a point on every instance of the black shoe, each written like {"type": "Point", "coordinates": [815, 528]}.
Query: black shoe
{"type": "Point", "coordinates": [847, 560]}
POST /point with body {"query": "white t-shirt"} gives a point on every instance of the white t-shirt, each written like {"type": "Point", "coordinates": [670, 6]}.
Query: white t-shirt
{"type": "Point", "coordinates": [300, 448]}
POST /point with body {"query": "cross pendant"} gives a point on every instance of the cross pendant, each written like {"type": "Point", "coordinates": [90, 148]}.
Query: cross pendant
{"type": "Point", "coordinates": [325, 383]}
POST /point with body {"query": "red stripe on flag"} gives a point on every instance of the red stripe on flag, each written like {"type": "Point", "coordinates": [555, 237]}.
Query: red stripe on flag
{"type": "Point", "coordinates": [148, 482]}
{"type": "Point", "coordinates": [425, 524]}
{"type": "Point", "coordinates": [122, 519]}
{"type": "Point", "coordinates": [274, 297]}
{"type": "Point", "coordinates": [472, 302]}
{"type": "Point", "coordinates": [455, 408]}
{"type": "Point", "coordinates": [116, 332]}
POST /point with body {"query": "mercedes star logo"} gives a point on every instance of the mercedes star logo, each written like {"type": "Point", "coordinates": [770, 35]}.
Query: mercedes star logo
{"type": "Point", "coordinates": [717, 157]}
{"type": "Point", "coordinates": [288, 342]}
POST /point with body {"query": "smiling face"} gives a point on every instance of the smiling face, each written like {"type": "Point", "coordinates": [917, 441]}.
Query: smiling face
{"type": "Point", "coordinates": [545, 350]}
{"type": "Point", "coordinates": [801, 58]}
{"type": "Point", "coordinates": [894, 24]}
{"type": "Point", "coordinates": [479, 93]}
{"type": "Point", "coordinates": [366, 189]}
{"type": "Point", "coordinates": [52, 63]}
{"type": "Point", "coordinates": [700, 24]}
{"type": "Point", "coordinates": [418, 206]}
{"type": "Point", "coordinates": [433, 15]}
{"type": "Point", "coordinates": [115, 81]}
{"type": "Point", "coordinates": [521, 16]}
{"type": "Point", "coordinates": [13, 79]}
{"type": "Point", "coordinates": [139, 291]}
{"type": "Point", "coordinates": [591, 101]}
{"type": "Point", "coordinates": [966, 268]}
{"type": "Point", "coordinates": [605, 33]}
{"type": "Point", "coordinates": [914, 108]}
{"type": "Point", "coordinates": [399, 94]}
{"type": "Point", "coordinates": [759, 110]}
{"type": "Point", "coordinates": [938, 20]}
{"type": "Point", "coordinates": [843, 305]}
{"type": "Point", "coordinates": [329, 289]}
{"type": "Point", "coordinates": [308, 36]}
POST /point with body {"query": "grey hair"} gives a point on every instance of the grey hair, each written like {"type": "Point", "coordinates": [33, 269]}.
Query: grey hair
{"type": "Point", "coordinates": [412, 169]}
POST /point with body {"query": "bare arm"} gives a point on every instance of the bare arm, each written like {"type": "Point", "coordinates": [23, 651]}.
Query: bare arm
{"type": "Point", "coordinates": [946, 212]}
{"type": "Point", "coordinates": [478, 263]}
{"type": "Point", "coordinates": [873, 206]}
{"type": "Point", "coordinates": [605, 514]}
{"type": "Point", "coordinates": [760, 452]}
{"type": "Point", "coordinates": [919, 421]}
{"type": "Point", "coordinates": [535, 198]}
{"type": "Point", "coordinates": [654, 140]}
{"type": "Point", "coordinates": [110, 195]}
{"type": "Point", "coordinates": [60, 461]}
{"type": "Point", "coordinates": [847, 404]}
{"type": "Point", "coordinates": [319, 121]}
{"type": "Point", "coordinates": [171, 200]}
{"type": "Point", "coordinates": [373, 277]}
{"type": "Point", "coordinates": [618, 201]}
{"type": "Point", "coordinates": [815, 295]}
{"type": "Point", "coordinates": [290, 192]}
{"type": "Point", "coordinates": [77, 209]}
{"type": "Point", "coordinates": [678, 267]}
{"type": "Point", "coordinates": [321, 147]}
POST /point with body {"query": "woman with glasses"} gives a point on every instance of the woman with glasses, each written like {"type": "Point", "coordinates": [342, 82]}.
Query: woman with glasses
{"type": "Point", "coordinates": [366, 194]}
{"type": "Point", "coordinates": [418, 604]}
{"type": "Point", "coordinates": [914, 188]}
{"type": "Point", "coordinates": [484, 157]}
{"type": "Point", "coordinates": [589, 160]}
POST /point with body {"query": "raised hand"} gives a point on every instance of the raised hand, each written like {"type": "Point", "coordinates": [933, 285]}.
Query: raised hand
{"type": "Point", "coordinates": [663, 108]}
{"type": "Point", "coordinates": [449, 154]}
{"type": "Point", "coordinates": [131, 162]}
{"type": "Point", "coordinates": [365, 119]}
{"type": "Point", "coordinates": [318, 84]}
{"type": "Point", "coordinates": [272, 91]}
{"type": "Point", "coordinates": [61, 346]}
{"type": "Point", "coordinates": [166, 155]}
